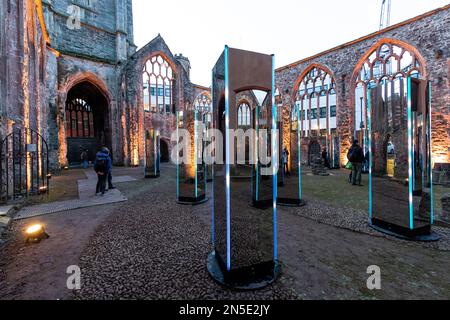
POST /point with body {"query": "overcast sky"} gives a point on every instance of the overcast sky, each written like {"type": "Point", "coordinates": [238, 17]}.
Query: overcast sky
{"type": "Point", "coordinates": [291, 29]}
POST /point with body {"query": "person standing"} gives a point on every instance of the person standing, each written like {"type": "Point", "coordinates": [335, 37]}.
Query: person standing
{"type": "Point", "coordinates": [110, 184]}
{"type": "Point", "coordinates": [356, 157]}
{"type": "Point", "coordinates": [326, 160]}
{"type": "Point", "coordinates": [286, 161]}
{"type": "Point", "coordinates": [102, 166]}
{"type": "Point", "coordinates": [85, 158]}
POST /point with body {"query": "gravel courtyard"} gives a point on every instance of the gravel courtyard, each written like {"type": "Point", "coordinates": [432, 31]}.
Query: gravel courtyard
{"type": "Point", "coordinates": [152, 248]}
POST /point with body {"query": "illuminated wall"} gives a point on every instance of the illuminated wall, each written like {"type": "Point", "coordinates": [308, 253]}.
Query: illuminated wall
{"type": "Point", "coordinates": [346, 62]}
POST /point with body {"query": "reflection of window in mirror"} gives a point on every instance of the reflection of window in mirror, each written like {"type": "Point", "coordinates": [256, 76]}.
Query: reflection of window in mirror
{"type": "Point", "coordinates": [390, 158]}
{"type": "Point", "coordinates": [244, 118]}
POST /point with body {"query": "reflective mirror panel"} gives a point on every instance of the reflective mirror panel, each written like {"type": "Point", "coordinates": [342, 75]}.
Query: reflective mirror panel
{"type": "Point", "coordinates": [252, 186]}
{"type": "Point", "coordinates": [220, 212]}
{"type": "Point", "coordinates": [290, 169]}
{"type": "Point", "coordinates": [191, 172]}
{"type": "Point", "coordinates": [152, 154]}
{"type": "Point", "coordinates": [244, 185]}
{"type": "Point", "coordinates": [399, 131]}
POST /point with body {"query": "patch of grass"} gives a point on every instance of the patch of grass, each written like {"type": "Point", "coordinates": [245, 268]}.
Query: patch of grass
{"type": "Point", "coordinates": [63, 186]}
{"type": "Point", "coordinates": [336, 190]}
{"type": "Point", "coordinates": [438, 192]}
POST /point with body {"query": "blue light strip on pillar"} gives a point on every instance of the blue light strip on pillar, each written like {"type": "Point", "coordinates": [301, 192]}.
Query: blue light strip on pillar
{"type": "Point", "coordinates": [410, 158]}
{"type": "Point", "coordinates": [275, 146]}
{"type": "Point", "coordinates": [227, 159]}
{"type": "Point", "coordinates": [429, 151]}
{"type": "Point", "coordinates": [195, 152]}
{"type": "Point", "coordinates": [369, 138]}
{"type": "Point", "coordinates": [257, 153]}
{"type": "Point", "coordinates": [299, 150]}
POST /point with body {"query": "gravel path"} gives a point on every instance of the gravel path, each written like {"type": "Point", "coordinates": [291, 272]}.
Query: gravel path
{"type": "Point", "coordinates": [357, 220]}
{"type": "Point", "coordinates": [157, 249]}
{"type": "Point", "coordinates": [152, 248]}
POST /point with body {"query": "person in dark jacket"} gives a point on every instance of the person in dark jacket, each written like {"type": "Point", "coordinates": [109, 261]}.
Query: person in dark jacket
{"type": "Point", "coordinates": [356, 157]}
{"type": "Point", "coordinates": [102, 166]}
{"type": "Point", "coordinates": [326, 159]}
{"type": "Point", "coordinates": [110, 184]}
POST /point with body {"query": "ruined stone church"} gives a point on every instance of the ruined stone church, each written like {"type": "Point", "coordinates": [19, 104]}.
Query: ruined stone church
{"type": "Point", "coordinates": [79, 83]}
{"type": "Point", "coordinates": [83, 84]}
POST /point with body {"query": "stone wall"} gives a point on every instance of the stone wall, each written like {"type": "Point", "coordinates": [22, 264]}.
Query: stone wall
{"type": "Point", "coordinates": [104, 76]}
{"type": "Point", "coordinates": [96, 52]}
{"type": "Point", "coordinates": [428, 35]}
{"type": "Point", "coordinates": [105, 32]}
{"type": "Point", "coordinates": [139, 120]}
{"type": "Point", "coordinates": [22, 68]}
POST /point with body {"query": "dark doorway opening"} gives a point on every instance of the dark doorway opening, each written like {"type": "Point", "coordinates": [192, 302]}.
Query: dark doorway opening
{"type": "Point", "coordinates": [314, 151]}
{"type": "Point", "coordinates": [164, 151]}
{"type": "Point", "coordinates": [87, 122]}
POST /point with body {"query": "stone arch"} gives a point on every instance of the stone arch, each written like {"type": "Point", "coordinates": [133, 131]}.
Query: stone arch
{"type": "Point", "coordinates": [66, 93]}
{"type": "Point", "coordinates": [156, 74]}
{"type": "Point", "coordinates": [89, 77]}
{"type": "Point", "coordinates": [87, 124]}
{"type": "Point", "coordinates": [315, 108]}
{"type": "Point", "coordinates": [379, 56]}
{"type": "Point", "coordinates": [305, 72]}
{"type": "Point", "coordinates": [244, 108]}
{"type": "Point", "coordinates": [314, 150]}
{"type": "Point", "coordinates": [206, 93]}
{"type": "Point", "coordinates": [379, 44]}
{"type": "Point", "coordinates": [145, 58]}
{"type": "Point", "coordinates": [327, 73]}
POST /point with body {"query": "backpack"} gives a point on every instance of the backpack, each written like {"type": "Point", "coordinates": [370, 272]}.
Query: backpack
{"type": "Point", "coordinates": [352, 155]}
{"type": "Point", "coordinates": [100, 166]}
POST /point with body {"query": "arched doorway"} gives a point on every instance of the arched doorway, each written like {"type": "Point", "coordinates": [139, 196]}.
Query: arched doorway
{"type": "Point", "coordinates": [314, 151]}
{"type": "Point", "coordinates": [87, 122]}
{"type": "Point", "coordinates": [164, 151]}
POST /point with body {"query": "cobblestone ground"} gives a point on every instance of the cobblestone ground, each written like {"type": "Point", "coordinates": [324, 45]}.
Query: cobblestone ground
{"type": "Point", "coordinates": [153, 248]}
{"type": "Point", "coordinates": [156, 249]}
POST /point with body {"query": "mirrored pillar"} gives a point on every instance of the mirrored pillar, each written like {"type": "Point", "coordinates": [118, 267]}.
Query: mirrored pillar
{"type": "Point", "coordinates": [290, 173]}
{"type": "Point", "coordinates": [244, 212]}
{"type": "Point", "coordinates": [401, 188]}
{"type": "Point", "coordinates": [152, 154]}
{"type": "Point", "coordinates": [191, 178]}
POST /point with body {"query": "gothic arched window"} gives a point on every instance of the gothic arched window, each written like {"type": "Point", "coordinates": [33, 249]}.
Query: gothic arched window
{"type": "Point", "coordinates": [203, 104]}
{"type": "Point", "coordinates": [244, 114]}
{"type": "Point", "coordinates": [79, 119]}
{"type": "Point", "coordinates": [316, 99]}
{"type": "Point", "coordinates": [158, 81]}
{"type": "Point", "coordinates": [386, 68]}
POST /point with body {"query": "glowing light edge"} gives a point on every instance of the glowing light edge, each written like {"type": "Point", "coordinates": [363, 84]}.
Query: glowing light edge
{"type": "Point", "coordinates": [275, 145]}
{"type": "Point", "coordinates": [227, 158]}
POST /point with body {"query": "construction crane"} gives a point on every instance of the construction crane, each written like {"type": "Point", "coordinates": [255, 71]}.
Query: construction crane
{"type": "Point", "coordinates": [385, 17]}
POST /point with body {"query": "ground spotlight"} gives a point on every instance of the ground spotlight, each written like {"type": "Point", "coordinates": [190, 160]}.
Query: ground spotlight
{"type": "Point", "coordinates": [35, 233]}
